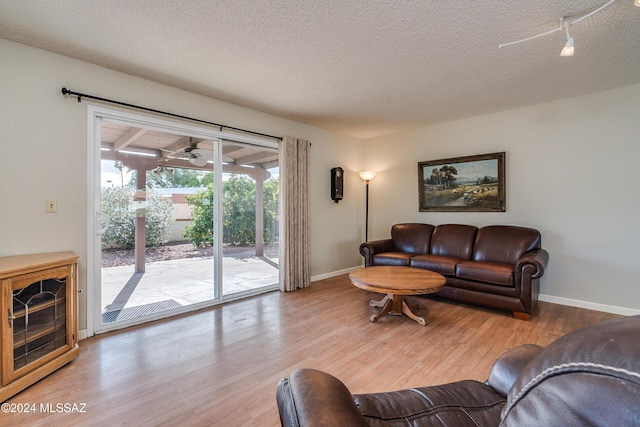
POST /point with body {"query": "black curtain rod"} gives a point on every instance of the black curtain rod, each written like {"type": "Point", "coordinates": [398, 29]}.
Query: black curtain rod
{"type": "Point", "coordinates": [66, 92]}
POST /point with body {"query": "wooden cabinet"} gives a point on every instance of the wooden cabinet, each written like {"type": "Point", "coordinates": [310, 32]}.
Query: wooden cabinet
{"type": "Point", "coordinates": [39, 325]}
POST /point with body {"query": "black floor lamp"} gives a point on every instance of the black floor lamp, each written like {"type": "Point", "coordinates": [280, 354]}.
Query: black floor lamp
{"type": "Point", "coordinates": [366, 177]}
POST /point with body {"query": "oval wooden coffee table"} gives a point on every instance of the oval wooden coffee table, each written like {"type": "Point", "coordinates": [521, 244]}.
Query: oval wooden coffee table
{"type": "Point", "coordinates": [396, 282]}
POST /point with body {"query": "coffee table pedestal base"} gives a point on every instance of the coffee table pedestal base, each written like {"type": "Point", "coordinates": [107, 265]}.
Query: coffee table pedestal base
{"type": "Point", "coordinates": [396, 305]}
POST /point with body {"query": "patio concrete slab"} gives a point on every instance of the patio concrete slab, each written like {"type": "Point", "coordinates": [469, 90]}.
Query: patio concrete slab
{"type": "Point", "coordinates": [185, 281]}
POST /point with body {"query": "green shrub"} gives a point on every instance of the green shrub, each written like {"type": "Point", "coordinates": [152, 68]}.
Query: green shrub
{"type": "Point", "coordinates": [239, 208]}
{"type": "Point", "coordinates": [119, 214]}
{"type": "Point", "coordinates": [200, 233]}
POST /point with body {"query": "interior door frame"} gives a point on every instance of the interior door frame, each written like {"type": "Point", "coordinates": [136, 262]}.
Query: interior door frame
{"type": "Point", "coordinates": [95, 115]}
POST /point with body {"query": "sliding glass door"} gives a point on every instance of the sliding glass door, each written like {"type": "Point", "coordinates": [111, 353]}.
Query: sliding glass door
{"type": "Point", "coordinates": [183, 219]}
{"type": "Point", "coordinates": [250, 190]}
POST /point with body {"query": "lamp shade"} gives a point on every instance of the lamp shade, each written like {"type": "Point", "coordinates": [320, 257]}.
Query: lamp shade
{"type": "Point", "coordinates": [367, 175]}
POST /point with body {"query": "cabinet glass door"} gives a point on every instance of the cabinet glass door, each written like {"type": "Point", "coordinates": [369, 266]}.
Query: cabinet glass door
{"type": "Point", "coordinates": [38, 319]}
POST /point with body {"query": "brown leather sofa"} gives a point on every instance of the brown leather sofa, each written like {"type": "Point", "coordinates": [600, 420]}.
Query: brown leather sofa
{"type": "Point", "coordinates": [496, 266]}
{"type": "Point", "coordinates": [589, 377]}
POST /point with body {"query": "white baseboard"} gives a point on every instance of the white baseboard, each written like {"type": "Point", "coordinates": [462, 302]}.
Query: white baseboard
{"type": "Point", "coordinates": [589, 305]}
{"type": "Point", "coordinates": [82, 334]}
{"type": "Point", "coordinates": [333, 274]}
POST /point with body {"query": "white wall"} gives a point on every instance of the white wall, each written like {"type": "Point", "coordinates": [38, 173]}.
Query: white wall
{"type": "Point", "coordinates": [571, 172]}
{"type": "Point", "coordinates": [43, 154]}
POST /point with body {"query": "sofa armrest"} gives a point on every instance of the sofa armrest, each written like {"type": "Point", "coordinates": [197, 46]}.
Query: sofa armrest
{"type": "Point", "coordinates": [309, 398]}
{"type": "Point", "coordinates": [537, 258]}
{"type": "Point", "coordinates": [369, 249]}
{"type": "Point", "coordinates": [506, 369]}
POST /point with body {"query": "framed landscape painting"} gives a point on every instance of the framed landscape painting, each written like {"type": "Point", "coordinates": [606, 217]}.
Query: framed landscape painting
{"type": "Point", "coordinates": [462, 184]}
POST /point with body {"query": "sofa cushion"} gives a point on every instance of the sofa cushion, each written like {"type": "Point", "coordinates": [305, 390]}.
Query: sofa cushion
{"type": "Point", "coordinates": [412, 238]}
{"type": "Point", "coordinates": [504, 243]}
{"type": "Point", "coordinates": [392, 258]}
{"type": "Point", "coordinates": [445, 265]}
{"type": "Point", "coordinates": [491, 272]}
{"type": "Point", "coordinates": [454, 240]}
{"type": "Point", "coordinates": [485, 288]}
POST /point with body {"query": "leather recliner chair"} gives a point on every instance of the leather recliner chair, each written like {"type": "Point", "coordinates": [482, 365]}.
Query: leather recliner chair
{"type": "Point", "coordinates": [590, 377]}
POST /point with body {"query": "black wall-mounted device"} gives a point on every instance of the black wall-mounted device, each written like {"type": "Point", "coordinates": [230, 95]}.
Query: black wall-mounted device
{"type": "Point", "coordinates": [337, 184]}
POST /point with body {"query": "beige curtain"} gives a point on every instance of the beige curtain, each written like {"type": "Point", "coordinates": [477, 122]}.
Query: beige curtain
{"type": "Point", "coordinates": [294, 215]}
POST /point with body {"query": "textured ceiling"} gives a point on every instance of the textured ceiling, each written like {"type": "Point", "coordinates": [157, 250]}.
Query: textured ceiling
{"type": "Point", "coordinates": [360, 67]}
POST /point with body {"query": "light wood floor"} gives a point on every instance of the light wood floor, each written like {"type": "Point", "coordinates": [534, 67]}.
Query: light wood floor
{"type": "Point", "coordinates": [220, 366]}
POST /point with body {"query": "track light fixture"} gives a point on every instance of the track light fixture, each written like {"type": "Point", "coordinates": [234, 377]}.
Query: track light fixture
{"type": "Point", "coordinates": [568, 49]}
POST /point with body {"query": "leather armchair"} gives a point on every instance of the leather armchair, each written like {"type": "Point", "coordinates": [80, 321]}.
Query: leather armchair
{"type": "Point", "coordinates": [590, 377]}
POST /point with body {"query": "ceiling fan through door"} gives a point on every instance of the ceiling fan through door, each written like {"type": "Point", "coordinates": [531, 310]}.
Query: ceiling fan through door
{"type": "Point", "coordinates": [196, 156]}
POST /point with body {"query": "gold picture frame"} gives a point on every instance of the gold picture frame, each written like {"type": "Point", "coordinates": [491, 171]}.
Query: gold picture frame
{"type": "Point", "coordinates": [463, 184]}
